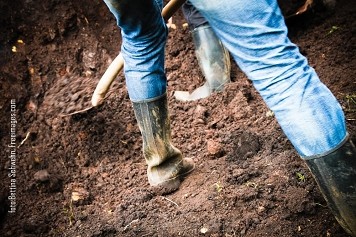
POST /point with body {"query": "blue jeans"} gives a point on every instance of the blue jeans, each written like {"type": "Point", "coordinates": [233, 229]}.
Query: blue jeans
{"type": "Point", "coordinates": [256, 36]}
{"type": "Point", "coordinates": [144, 35]}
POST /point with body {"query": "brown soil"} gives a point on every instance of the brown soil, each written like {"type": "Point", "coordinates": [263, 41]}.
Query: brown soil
{"type": "Point", "coordinates": [249, 181]}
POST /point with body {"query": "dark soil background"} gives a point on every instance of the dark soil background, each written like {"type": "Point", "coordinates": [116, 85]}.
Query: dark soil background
{"type": "Point", "coordinates": [84, 175]}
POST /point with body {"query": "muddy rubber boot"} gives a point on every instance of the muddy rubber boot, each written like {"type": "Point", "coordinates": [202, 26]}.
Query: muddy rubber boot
{"type": "Point", "coordinates": [166, 166]}
{"type": "Point", "coordinates": [335, 174]}
{"type": "Point", "coordinates": [214, 61]}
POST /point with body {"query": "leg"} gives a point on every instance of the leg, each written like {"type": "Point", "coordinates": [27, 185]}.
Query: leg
{"type": "Point", "coordinates": [310, 116]}
{"type": "Point", "coordinates": [256, 36]}
{"type": "Point", "coordinates": [213, 58]}
{"type": "Point", "coordinates": [144, 35]}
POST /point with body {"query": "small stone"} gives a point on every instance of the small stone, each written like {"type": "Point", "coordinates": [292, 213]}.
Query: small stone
{"type": "Point", "coordinates": [80, 195]}
{"type": "Point", "coordinates": [204, 230]}
{"type": "Point", "coordinates": [214, 148]}
{"type": "Point", "coordinates": [41, 176]}
{"type": "Point", "coordinates": [261, 209]}
{"type": "Point", "coordinates": [200, 112]}
{"type": "Point", "coordinates": [269, 114]}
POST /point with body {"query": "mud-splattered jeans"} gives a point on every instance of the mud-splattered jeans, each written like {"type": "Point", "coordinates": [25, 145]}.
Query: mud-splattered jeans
{"type": "Point", "coordinates": [256, 36]}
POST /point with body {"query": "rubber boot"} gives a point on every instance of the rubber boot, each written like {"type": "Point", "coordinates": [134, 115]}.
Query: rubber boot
{"type": "Point", "coordinates": [214, 61]}
{"type": "Point", "coordinates": [166, 166]}
{"type": "Point", "coordinates": [335, 174]}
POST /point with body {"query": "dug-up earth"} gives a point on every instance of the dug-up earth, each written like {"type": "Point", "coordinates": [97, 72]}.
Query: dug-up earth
{"type": "Point", "coordinates": [84, 174]}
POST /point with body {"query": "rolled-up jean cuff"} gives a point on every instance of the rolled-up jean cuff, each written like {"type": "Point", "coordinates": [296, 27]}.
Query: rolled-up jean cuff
{"type": "Point", "coordinates": [327, 152]}
{"type": "Point", "coordinates": [145, 87]}
{"type": "Point", "coordinates": [149, 100]}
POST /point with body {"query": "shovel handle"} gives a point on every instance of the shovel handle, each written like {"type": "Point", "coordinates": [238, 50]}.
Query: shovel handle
{"type": "Point", "coordinates": [171, 7]}
{"type": "Point", "coordinates": [117, 65]}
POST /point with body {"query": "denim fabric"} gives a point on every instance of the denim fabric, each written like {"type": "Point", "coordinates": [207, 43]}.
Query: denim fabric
{"type": "Point", "coordinates": [144, 35]}
{"type": "Point", "coordinates": [256, 36]}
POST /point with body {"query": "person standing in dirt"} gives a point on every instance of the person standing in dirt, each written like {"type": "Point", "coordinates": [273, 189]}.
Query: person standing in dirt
{"type": "Point", "coordinates": [256, 36]}
{"type": "Point", "coordinates": [213, 57]}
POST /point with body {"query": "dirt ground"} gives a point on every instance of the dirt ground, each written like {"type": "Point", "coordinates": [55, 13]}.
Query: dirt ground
{"type": "Point", "coordinates": [84, 175]}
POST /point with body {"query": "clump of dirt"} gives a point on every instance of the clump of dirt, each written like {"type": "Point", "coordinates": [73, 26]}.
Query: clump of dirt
{"type": "Point", "coordinates": [84, 175]}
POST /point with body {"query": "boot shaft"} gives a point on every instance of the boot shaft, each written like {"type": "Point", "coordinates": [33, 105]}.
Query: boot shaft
{"type": "Point", "coordinates": [165, 164]}
{"type": "Point", "coordinates": [154, 123]}
{"type": "Point", "coordinates": [213, 57]}
{"type": "Point", "coordinates": [335, 174]}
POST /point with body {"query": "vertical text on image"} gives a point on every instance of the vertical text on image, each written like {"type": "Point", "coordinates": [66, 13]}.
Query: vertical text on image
{"type": "Point", "coordinates": [12, 157]}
